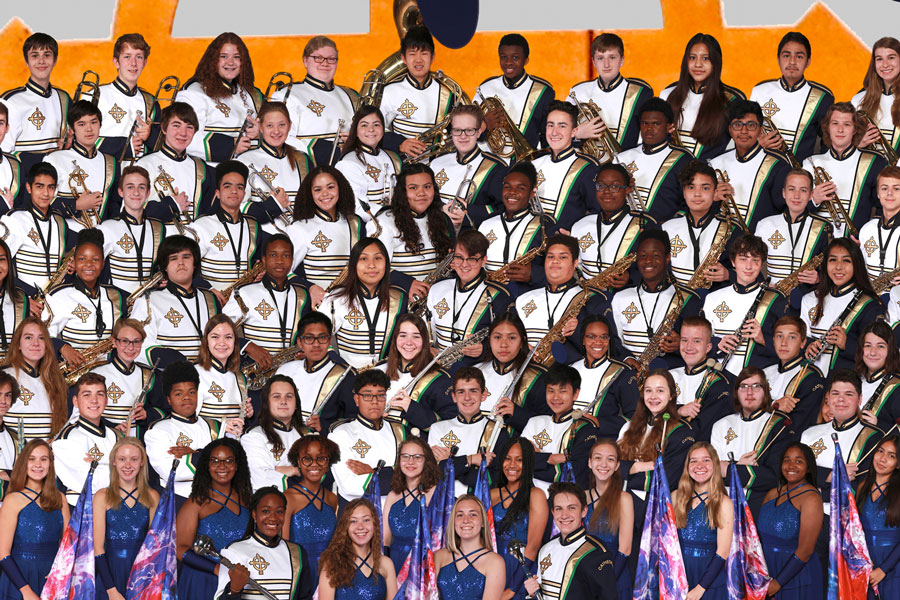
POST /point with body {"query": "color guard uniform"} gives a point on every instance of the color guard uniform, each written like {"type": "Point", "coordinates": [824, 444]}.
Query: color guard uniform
{"type": "Point", "coordinates": [757, 179]}
{"type": "Point", "coordinates": [270, 312]}
{"type": "Point", "coordinates": [322, 245]}
{"type": "Point", "coordinates": [170, 170]}
{"type": "Point", "coordinates": [882, 118]}
{"type": "Point", "coordinates": [469, 437]}
{"type": "Point", "coordinates": [526, 101]}
{"type": "Point", "coordinates": [371, 173]}
{"type": "Point", "coordinates": [176, 430]}
{"type": "Point", "coordinates": [691, 240]}
{"type": "Point", "coordinates": [368, 442]}
{"type": "Point", "coordinates": [678, 440]}
{"type": "Point", "coordinates": [120, 106]}
{"type": "Point", "coordinates": [458, 311]}
{"type": "Point", "coordinates": [262, 458]}
{"type": "Point", "coordinates": [879, 241]}
{"type": "Point", "coordinates": [603, 241]}
{"type": "Point", "coordinates": [487, 172]}
{"type": "Point", "coordinates": [33, 404]}
{"type": "Point", "coordinates": [362, 328]}
{"type": "Point", "coordinates": [410, 108]}
{"type": "Point", "coordinates": [82, 318]}
{"type": "Point", "coordinates": [655, 171]}
{"type": "Point", "coordinates": [228, 247]}
{"type": "Point", "coordinates": [100, 173]}
{"type": "Point", "coordinates": [576, 566]}
{"type": "Point", "coordinates": [279, 566]}
{"type": "Point", "coordinates": [37, 243]}
{"type": "Point", "coordinates": [618, 384]}
{"type": "Point", "coordinates": [316, 382]}
{"type": "Point", "coordinates": [77, 440]}
{"type": "Point", "coordinates": [277, 168]}
{"type": "Point", "coordinates": [419, 262]}
{"type": "Point", "coordinates": [715, 401]}
{"type": "Point", "coordinates": [792, 243]}
{"type": "Point", "coordinates": [855, 173]}
{"type": "Point", "coordinates": [809, 389]}
{"type": "Point", "coordinates": [617, 102]}
{"type": "Point", "coordinates": [560, 434]}
{"type": "Point", "coordinates": [130, 246]}
{"type": "Point", "coordinates": [175, 319]}
{"type": "Point", "coordinates": [690, 109]}
{"type": "Point", "coordinates": [797, 111]}
{"type": "Point", "coordinates": [430, 396]}
{"type": "Point", "coordinates": [566, 187]}
{"type": "Point", "coordinates": [11, 178]}
{"type": "Point", "coordinates": [511, 238]}
{"type": "Point", "coordinates": [220, 393]}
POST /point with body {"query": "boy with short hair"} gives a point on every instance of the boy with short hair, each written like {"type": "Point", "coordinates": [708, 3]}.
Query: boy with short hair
{"type": "Point", "coordinates": [876, 237]}
{"type": "Point", "coordinates": [10, 168]}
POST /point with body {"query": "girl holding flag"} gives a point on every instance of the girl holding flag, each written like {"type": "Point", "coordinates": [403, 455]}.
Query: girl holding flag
{"type": "Point", "coordinates": [879, 511]}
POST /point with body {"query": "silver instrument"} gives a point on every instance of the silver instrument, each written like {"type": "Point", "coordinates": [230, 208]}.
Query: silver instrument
{"type": "Point", "coordinates": [203, 546]}
{"type": "Point", "coordinates": [334, 142]}
{"type": "Point", "coordinates": [284, 216]}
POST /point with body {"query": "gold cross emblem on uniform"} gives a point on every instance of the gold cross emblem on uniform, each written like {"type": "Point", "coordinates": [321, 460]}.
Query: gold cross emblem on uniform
{"type": "Point", "coordinates": [441, 178]}
{"type": "Point", "coordinates": [722, 311]}
{"type": "Point", "coordinates": [542, 439]}
{"type": "Point", "coordinates": [630, 312]}
{"type": "Point", "coordinates": [34, 236]}
{"type": "Point", "coordinates": [373, 172]}
{"type": "Point", "coordinates": [264, 309]}
{"type": "Point", "coordinates": [540, 178]}
{"type": "Point", "coordinates": [37, 118]}
{"type": "Point", "coordinates": [117, 113]}
{"type": "Point", "coordinates": [450, 439]}
{"type": "Point", "coordinates": [770, 108]}
{"type": "Point", "coordinates": [491, 237]}
{"type": "Point", "coordinates": [586, 241]}
{"type": "Point", "coordinates": [321, 241]}
{"type": "Point", "coordinates": [164, 181]}
{"type": "Point", "coordinates": [268, 174]}
{"type": "Point", "coordinates": [259, 563]}
{"type": "Point", "coordinates": [819, 447]}
{"type": "Point", "coordinates": [277, 453]}
{"type": "Point", "coordinates": [545, 563]}
{"type": "Point", "coordinates": [82, 313]}
{"type": "Point", "coordinates": [316, 107]}
{"type": "Point", "coordinates": [407, 108]}
{"type": "Point", "coordinates": [730, 436]}
{"type": "Point", "coordinates": [174, 317]}
{"type": "Point", "coordinates": [125, 243]}
{"type": "Point", "coordinates": [813, 313]}
{"type": "Point", "coordinates": [223, 108]}
{"type": "Point", "coordinates": [217, 390]}
{"type": "Point", "coordinates": [114, 392]}
{"type": "Point", "coordinates": [631, 167]}
{"type": "Point", "coordinates": [442, 307]}
{"type": "Point", "coordinates": [25, 394]}
{"type": "Point", "coordinates": [361, 448]}
{"type": "Point", "coordinates": [355, 318]}
{"type": "Point", "coordinates": [529, 308]}
{"type": "Point", "coordinates": [95, 453]}
{"type": "Point", "coordinates": [219, 241]}
{"type": "Point", "coordinates": [776, 239]}
{"type": "Point", "coordinates": [183, 440]}
{"type": "Point", "coordinates": [871, 246]}
{"type": "Point", "coordinates": [677, 246]}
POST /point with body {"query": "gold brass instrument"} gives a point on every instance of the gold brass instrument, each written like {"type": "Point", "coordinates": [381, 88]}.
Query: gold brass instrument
{"type": "Point", "coordinates": [89, 217]}
{"type": "Point", "coordinates": [543, 354]}
{"type": "Point", "coordinates": [145, 288]}
{"type": "Point", "coordinates": [164, 185]}
{"type": "Point", "coordinates": [833, 204]}
{"type": "Point", "coordinates": [603, 279]}
{"type": "Point", "coordinates": [392, 68]}
{"type": "Point", "coordinates": [335, 140]}
{"type": "Point", "coordinates": [653, 349]}
{"type": "Point", "coordinates": [89, 86]}
{"type": "Point", "coordinates": [247, 276]}
{"type": "Point", "coordinates": [501, 275]}
{"type": "Point", "coordinates": [417, 305]}
{"type": "Point", "coordinates": [167, 91]}
{"type": "Point", "coordinates": [94, 356]}
{"type": "Point", "coordinates": [729, 206]}
{"type": "Point", "coordinates": [246, 125]}
{"type": "Point", "coordinates": [54, 280]}
{"type": "Point", "coordinates": [257, 377]}
{"type": "Point", "coordinates": [284, 216]}
{"type": "Point", "coordinates": [881, 145]}
{"type": "Point", "coordinates": [607, 146]}
{"type": "Point", "coordinates": [280, 81]}
{"type": "Point", "coordinates": [768, 127]}
{"type": "Point", "coordinates": [882, 283]}
{"type": "Point", "coordinates": [459, 94]}
{"type": "Point", "coordinates": [787, 285]}
{"type": "Point", "coordinates": [720, 241]}
{"type": "Point", "coordinates": [506, 134]}
{"type": "Point", "coordinates": [437, 141]}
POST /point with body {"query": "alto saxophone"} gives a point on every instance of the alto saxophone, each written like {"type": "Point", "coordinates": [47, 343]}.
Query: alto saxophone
{"type": "Point", "coordinates": [53, 281]}
{"type": "Point", "coordinates": [652, 350]}
{"type": "Point", "coordinates": [543, 354]}
{"type": "Point", "coordinates": [603, 280]}
{"type": "Point", "coordinates": [787, 285]}
{"type": "Point", "coordinates": [417, 305]}
{"type": "Point", "coordinates": [699, 280]}
{"type": "Point", "coordinates": [94, 356]}
{"type": "Point", "coordinates": [257, 377]}
{"type": "Point", "coordinates": [146, 287]}
{"type": "Point", "coordinates": [501, 275]}
{"type": "Point", "coordinates": [247, 276]}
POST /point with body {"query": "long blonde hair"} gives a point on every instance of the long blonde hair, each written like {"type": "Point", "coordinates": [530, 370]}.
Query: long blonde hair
{"type": "Point", "coordinates": [452, 538]}
{"type": "Point", "coordinates": [113, 498]}
{"type": "Point", "coordinates": [685, 489]}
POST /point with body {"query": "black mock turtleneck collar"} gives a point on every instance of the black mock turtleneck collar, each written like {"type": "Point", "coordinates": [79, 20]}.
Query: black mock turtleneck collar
{"type": "Point", "coordinates": [98, 430]}
{"type": "Point", "coordinates": [608, 87]}
{"type": "Point", "coordinates": [657, 148]}
{"type": "Point", "coordinates": [511, 85]}
{"type": "Point", "coordinates": [754, 151]}
{"type": "Point", "coordinates": [573, 537]}
{"type": "Point", "coordinates": [176, 156]}
{"type": "Point", "coordinates": [468, 158]}
{"type": "Point", "coordinates": [85, 152]}
{"type": "Point", "coordinates": [179, 291]}
{"type": "Point", "coordinates": [33, 86]}
{"type": "Point", "coordinates": [272, 150]}
{"type": "Point", "coordinates": [370, 424]}
{"type": "Point", "coordinates": [318, 83]}
{"type": "Point", "coordinates": [416, 85]}
{"type": "Point", "coordinates": [843, 155]}
{"type": "Point", "coordinates": [563, 287]}
{"type": "Point", "coordinates": [564, 155]}
{"type": "Point", "coordinates": [122, 87]}
{"type": "Point", "coordinates": [467, 287]}
{"type": "Point", "coordinates": [847, 425]}
{"type": "Point", "coordinates": [191, 419]}
{"type": "Point", "coordinates": [266, 540]}
{"type": "Point", "coordinates": [792, 88]}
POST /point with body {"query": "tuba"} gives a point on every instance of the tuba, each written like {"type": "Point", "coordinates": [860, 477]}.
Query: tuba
{"type": "Point", "coordinates": [392, 68]}
{"type": "Point", "coordinates": [506, 134]}
{"type": "Point", "coordinates": [881, 145]}
{"type": "Point", "coordinates": [88, 88]}
{"type": "Point", "coordinates": [603, 149]}
{"type": "Point", "coordinates": [280, 81]}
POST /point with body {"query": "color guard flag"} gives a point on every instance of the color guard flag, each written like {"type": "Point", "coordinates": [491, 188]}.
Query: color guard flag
{"type": "Point", "coordinates": [848, 558]}
{"type": "Point", "coordinates": [483, 493]}
{"type": "Point", "coordinates": [417, 579]}
{"type": "Point", "coordinates": [747, 573]}
{"type": "Point", "coordinates": [442, 504]}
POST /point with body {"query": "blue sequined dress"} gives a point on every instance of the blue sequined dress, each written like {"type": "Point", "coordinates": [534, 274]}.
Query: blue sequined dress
{"type": "Point", "coordinates": [372, 587]}
{"type": "Point", "coordinates": [126, 528]}
{"type": "Point", "coordinates": [222, 527]}
{"type": "Point", "coordinates": [779, 534]}
{"type": "Point", "coordinates": [467, 584]}
{"type": "Point", "coordinates": [515, 574]}
{"type": "Point", "coordinates": [698, 547]}
{"type": "Point", "coordinates": [624, 584]}
{"type": "Point", "coordinates": [881, 541]}
{"type": "Point", "coordinates": [313, 525]}
{"type": "Point", "coordinates": [402, 519]}
{"type": "Point", "coordinates": [34, 545]}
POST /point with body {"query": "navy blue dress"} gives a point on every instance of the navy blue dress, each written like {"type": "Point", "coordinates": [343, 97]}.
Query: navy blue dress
{"type": "Point", "coordinates": [881, 541]}
{"type": "Point", "coordinates": [779, 534]}
{"type": "Point", "coordinates": [698, 547]}
{"type": "Point", "coordinates": [372, 587]}
{"type": "Point", "coordinates": [515, 574]}
{"type": "Point", "coordinates": [624, 583]}
{"type": "Point", "coordinates": [34, 546]}
{"type": "Point", "coordinates": [402, 519]}
{"type": "Point", "coordinates": [467, 584]}
{"type": "Point", "coordinates": [222, 527]}
{"type": "Point", "coordinates": [312, 526]}
{"type": "Point", "coordinates": [126, 528]}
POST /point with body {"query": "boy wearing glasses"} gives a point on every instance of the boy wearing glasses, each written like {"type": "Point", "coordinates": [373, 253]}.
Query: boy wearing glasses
{"type": "Point", "coordinates": [752, 175]}
{"type": "Point", "coordinates": [468, 302]}
{"type": "Point", "coordinates": [366, 439]}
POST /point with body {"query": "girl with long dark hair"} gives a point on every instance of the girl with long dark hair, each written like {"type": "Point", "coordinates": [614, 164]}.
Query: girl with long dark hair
{"type": "Point", "coordinates": [370, 169]}
{"type": "Point", "coordinates": [878, 363]}
{"type": "Point", "coordinates": [878, 500]}
{"type": "Point", "coordinates": [880, 96]}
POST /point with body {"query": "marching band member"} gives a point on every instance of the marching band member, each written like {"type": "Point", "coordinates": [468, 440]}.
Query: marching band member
{"type": "Point", "coordinates": [616, 96]}
{"type": "Point", "coordinates": [797, 386]}
{"type": "Point", "coordinates": [37, 110]}
{"type": "Point", "coordinates": [853, 172]}
{"type": "Point", "coordinates": [42, 390]}
{"type": "Point", "coordinates": [876, 237]}
{"type": "Point", "coordinates": [325, 227]}
{"type": "Point", "coordinates": [217, 508]}
{"type": "Point", "coordinates": [466, 303]}
{"type": "Point", "coordinates": [485, 170]}
{"type": "Point", "coordinates": [281, 166]}
{"type": "Point", "coordinates": [33, 516]}
{"type": "Point", "coordinates": [90, 438]}
{"type": "Point", "coordinates": [565, 177]}
{"type": "Point", "coordinates": [279, 566]}
{"type": "Point", "coordinates": [362, 302]}
{"type": "Point", "coordinates": [225, 100]}
{"type": "Point", "coordinates": [122, 515]}
{"type": "Point", "coordinates": [615, 226]}
{"type": "Point", "coordinates": [793, 103]}
{"type": "Point", "coordinates": [10, 168]}
{"type": "Point", "coordinates": [699, 99]}
{"type": "Point", "coordinates": [316, 103]}
{"type": "Point", "coordinates": [249, 304]}
{"type": "Point", "coordinates": [14, 304]}
{"type": "Point", "coordinates": [222, 388]}
{"type": "Point", "coordinates": [844, 292]}
{"type": "Point", "coordinates": [9, 394]}
{"type": "Point", "coordinates": [578, 565]}
{"type": "Point", "coordinates": [878, 502]}
{"type": "Point", "coordinates": [267, 444]}
{"type": "Point", "coordinates": [878, 364]}
{"type": "Point", "coordinates": [128, 105]}
{"type": "Point", "coordinates": [879, 96]}
{"type": "Point", "coordinates": [370, 169]}
{"type": "Point", "coordinates": [524, 97]}
{"type": "Point", "coordinates": [370, 437]}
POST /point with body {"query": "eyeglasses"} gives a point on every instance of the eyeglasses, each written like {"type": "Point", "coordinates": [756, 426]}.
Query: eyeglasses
{"type": "Point", "coordinates": [591, 337]}
{"type": "Point", "coordinates": [412, 457]}
{"type": "Point", "coordinates": [323, 338]}
{"type": "Point", "coordinates": [126, 342]}
{"type": "Point", "coordinates": [373, 397]}
{"type": "Point", "coordinates": [331, 60]}
{"type": "Point", "coordinates": [468, 131]}
{"type": "Point", "coordinates": [215, 462]}
{"type": "Point", "coordinates": [614, 187]}
{"type": "Point", "coordinates": [469, 261]}
{"type": "Point", "coordinates": [750, 386]}
{"type": "Point", "coordinates": [748, 125]}
{"type": "Point", "coordinates": [309, 460]}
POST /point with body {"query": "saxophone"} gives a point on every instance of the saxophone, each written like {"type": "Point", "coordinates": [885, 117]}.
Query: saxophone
{"type": "Point", "coordinates": [543, 354]}
{"type": "Point", "coordinates": [417, 306]}
{"type": "Point", "coordinates": [501, 275]}
{"type": "Point", "coordinates": [144, 288]}
{"type": "Point", "coordinates": [94, 356]}
{"type": "Point", "coordinates": [53, 281]}
{"type": "Point", "coordinates": [247, 276]}
{"type": "Point", "coordinates": [882, 283]}
{"type": "Point", "coordinates": [603, 279]}
{"type": "Point", "coordinates": [787, 285]}
{"type": "Point", "coordinates": [257, 377]}
{"type": "Point", "coordinates": [699, 280]}
{"type": "Point", "coordinates": [652, 350]}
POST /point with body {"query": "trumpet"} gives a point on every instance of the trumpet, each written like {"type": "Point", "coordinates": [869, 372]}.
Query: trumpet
{"type": "Point", "coordinates": [280, 81]}
{"type": "Point", "coordinates": [729, 206]}
{"type": "Point", "coordinates": [269, 191]}
{"type": "Point", "coordinates": [335, 140]}
{"type": "Point", "coordinates": [168, 84]}
{"type": "Point", "coordinates": [833, 204]}
{"type": "Point", "coordinates": [768, 127]}
{"type": "Point", "coordinates": [465, 193]}
{"type": "Point", "coordinates": [89, 217]}
{"type": "Point", "coordinates": [607, 146]}
{"type": "Point", "coordinates": [165, 184]}
{"type": "Point", "coordinates": [881, 145]}
{"type": "Point", "coordinates": [506, 133]}
{"type": "Point", "coordinates": [88, 86]}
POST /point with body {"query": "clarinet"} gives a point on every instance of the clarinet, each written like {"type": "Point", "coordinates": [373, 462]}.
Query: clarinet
{"type": "Point", "coordinates": [825, 346]}
{"type": "Point", "coordinates": [881, 387]}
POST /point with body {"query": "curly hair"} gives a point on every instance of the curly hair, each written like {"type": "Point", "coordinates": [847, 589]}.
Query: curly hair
{"type": "Point", "coordinates": [267, 421]}
{"type": "Point", "coordinates": [431, 472]}
{"type": "Point", "coordinates": [329, 448]}
{"type": "Point", "coordinates": [338, 559]}
{"type": "Point", "coordinates": [203, 480]}
{"type": "Point", "coordinates": [305, 206]}
{"type": "Point", "coordinates": [710, 124]}
{"type": "Point", "coordinates": [522, 501]}
{"type": "Point", "coordinates": [438, 231]}
{"type": "Point", "coordinates": [207, 71]}
{"type": "Point", "coordinates": [635, 445]}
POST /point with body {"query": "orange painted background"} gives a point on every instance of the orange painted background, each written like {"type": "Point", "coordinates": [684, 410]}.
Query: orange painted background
{"type": "Point", "coordinates": [839, 57]}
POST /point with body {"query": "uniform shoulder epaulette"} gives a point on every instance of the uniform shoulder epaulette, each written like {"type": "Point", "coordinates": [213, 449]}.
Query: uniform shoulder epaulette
{"type": "Point", "coordinates": [681, 149]}
{"type": "Point", "coordinates": [189, 83]}
{"type": "Point", "coordinates": [767, 81]}
{"type": "Point", "coordinates": [542, 80]}
{"type": "Point", "coordinates": [10, 93]}
{"type": "Point", "coordinates": [60, 286]}
{"type": "Point", "coordinates": [496, 285]}
{"type": "Point", "coordinates": [493, 157]}
{"type": "Point", "coordinates": [735, 93]}
{"type": "Point", "coordinates": [489, 79]}
{"type": "Point", "coordinates": [638, 81]}
{"type": "Point", "coordinates": [208, 293]}
{"type": "Point", "coordinates": [621, 363]}
{"type": "Point", "coordinates": [338, 423]}
{"type": "Point", "coordinates": [870, 430]}
{"type": "Point", "coordinates": [818, 217]}
{"type": "Point", "coordinates": [670, 86]}
{"type": "Point", "coordinates": [383, 211]}
{"type": "Point", "coordinates": [198, 162]}
{"type": "Point", "coordinates": [818, 85]}
{"type": "Point", "coordinates": [398, 290]}
{"type": "Point", "coordinates": [687, 290]}
{"type": "Point", "coordinates": [866, 151]}
{"type": "Point", "coordinates": [775, 154]}
{"type": "Point", "coordinates": [596, 542]}
{"type": "Point", "coordinates": [66, 430]}
{"type": "Point", "coordinates": [587, 158]}
{"type": "Point", "coordinates": [61, 91]}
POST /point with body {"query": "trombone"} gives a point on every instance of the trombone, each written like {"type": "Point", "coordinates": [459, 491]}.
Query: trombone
{"type": "Point", "coordinates": [607, 146]}
{"type": "Point", "coordinates": [268, 191]}
{"type": "Point", "coordinates": [881, 145]}
{"type": "Point", "coordinates": [164, 185]}
{"type": "Point", "coordinates": [335, 140]}
{"type": "Point", "coordinates": [88, 86]}
{"type": "Point", "coordinates": [169, 84]}
{"type": "Point", "coordinates": [768, 127]}
{"type": "Point", "coordinates": [833, 204]}
{"type": "Point", "coordinates": [280, 81]}
{"type": "Point", "coordinates": [89, 217]}
{"type": "Point", "coordinates": [729, 205]}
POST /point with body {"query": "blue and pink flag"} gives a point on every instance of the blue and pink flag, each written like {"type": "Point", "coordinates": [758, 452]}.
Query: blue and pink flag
{"type": "Point", "coordinates": [747, 573]}
{"type": "Point", "coordinates": [660, 564]}
{"type": "Point", "coordinates": [848, 558]}
{"type": "Point", "coordinates": [72, 574]}
{"type": "Point", "coordinates": [441, 506]}
{"type": "Point", "coordinates": [153, 575]}
{"type": "Point", "coordinates": [482, 491]}
{"type": "Point", "coordinates": [372, 492]}
{"type": "Point", "coordinates": [417, 579]}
